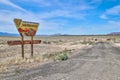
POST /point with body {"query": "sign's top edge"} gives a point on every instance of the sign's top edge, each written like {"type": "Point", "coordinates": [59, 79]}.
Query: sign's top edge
{"type": "Point", "coordinates": [29, 22]}
{"type": "Point", "coordinates": [26, 21]}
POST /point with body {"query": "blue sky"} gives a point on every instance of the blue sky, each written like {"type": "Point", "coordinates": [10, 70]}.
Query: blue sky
{"type": "Point", "coordinates": [62, 16]}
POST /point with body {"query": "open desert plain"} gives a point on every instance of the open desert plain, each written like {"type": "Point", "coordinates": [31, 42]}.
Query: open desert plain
{"type": "Point", "coordinates": [62, 58]}
{"type": "Point", "coordinates": [59, 39]}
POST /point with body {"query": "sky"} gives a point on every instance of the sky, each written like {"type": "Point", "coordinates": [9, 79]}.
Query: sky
{"type": "Point", "coordinates": [78, 17]}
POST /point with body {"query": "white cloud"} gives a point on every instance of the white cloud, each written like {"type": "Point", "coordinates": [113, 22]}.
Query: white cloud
{"type": "Point", "coordinates": [115, 23]}
{"type": "Point", "coordinates": [68, 10]}
{"type": "Point", "coordinates": [9, 3]}
{"type": "Point", "coordinates": [103, 16]}
{"type": "Point", "coordinates": [73, 6]}
{"type": "Point", "coordinates": [7, 21]}
{"type": "Point", "coordinates": [41, 3]}
{"type": "Point", "coordinates": [95, 2]}
{"type": "Point", "coordinates": [114, 10]}
{"type": "Point", "coordinates": [62, 9]}
{"type": "Point", "coordinates": [78, 5]}
{"type": "Point", "coordinates": [62, 13]}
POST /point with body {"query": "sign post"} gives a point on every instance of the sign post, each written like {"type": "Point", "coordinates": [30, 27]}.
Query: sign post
{"type": "Point", "coordinates": [28, 29]}
{"type": "Point", "coordinates": [22, 45]}
{"type": "Point", "coordinates": [31, 46]}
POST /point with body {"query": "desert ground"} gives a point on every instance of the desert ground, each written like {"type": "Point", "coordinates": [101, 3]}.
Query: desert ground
{"type": "Point", "coordinates": [46, 51]}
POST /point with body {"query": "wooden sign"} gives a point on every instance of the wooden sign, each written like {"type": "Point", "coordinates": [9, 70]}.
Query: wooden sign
{"type": "Point", "coordinates": [18, 42]}
{"type": "Point", "coordinates": [28, 28]}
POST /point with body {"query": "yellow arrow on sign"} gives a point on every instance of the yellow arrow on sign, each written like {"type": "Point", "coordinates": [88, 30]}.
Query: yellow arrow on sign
{"type": "Point", "coordinates": [17, 22]}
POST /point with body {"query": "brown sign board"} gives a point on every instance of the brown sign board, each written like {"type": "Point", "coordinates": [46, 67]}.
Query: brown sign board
{"type": "Point", "coordinates": [18, 42]}
{"type": "Point", "coordinates": [28, 28]}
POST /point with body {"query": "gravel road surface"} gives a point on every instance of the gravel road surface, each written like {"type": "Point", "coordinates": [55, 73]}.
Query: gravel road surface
{"type": "Point", "coordinates": [100, 62]}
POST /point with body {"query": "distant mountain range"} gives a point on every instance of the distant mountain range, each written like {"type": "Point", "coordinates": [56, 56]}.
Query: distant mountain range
{"type": "Point", "coordinates": [10, 34]}
{"type": "Point", "coordinates": [114, 33]}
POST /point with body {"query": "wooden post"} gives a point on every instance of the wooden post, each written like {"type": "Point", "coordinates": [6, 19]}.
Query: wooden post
{"type": "Point", "coordinates": [31, 46]}
{"type": "Point", "coordinates": [22, 45]}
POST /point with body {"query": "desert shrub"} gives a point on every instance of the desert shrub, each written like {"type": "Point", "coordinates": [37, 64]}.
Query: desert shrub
{"type": "Point", "coordinates": [46, 42]}
{"type": "Point", "coordinates": [17, 71]}
{"type": "Point", "coordinates": [95, 39]}
{"type": "Point", "coordinates": [90, 43]}
{"type": "Point", "coordinates": [60, 40]}
{"type": "Point", "coordinates": [61, 57]}
{"type": "Point", "coordinates": [56, 42]}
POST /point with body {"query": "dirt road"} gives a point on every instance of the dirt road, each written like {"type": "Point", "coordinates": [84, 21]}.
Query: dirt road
{"type": "Point", "coordinates": [101, 62]}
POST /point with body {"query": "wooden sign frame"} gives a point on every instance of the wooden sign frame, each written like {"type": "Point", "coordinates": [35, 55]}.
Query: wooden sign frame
{"type": "Point", "coordinates": [29, 29]}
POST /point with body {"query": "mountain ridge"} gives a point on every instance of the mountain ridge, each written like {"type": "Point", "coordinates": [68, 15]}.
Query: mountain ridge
{"type": "Point", "coordinates": [8, 34]}
{"type": "Point", "coordinates": [13, 34]}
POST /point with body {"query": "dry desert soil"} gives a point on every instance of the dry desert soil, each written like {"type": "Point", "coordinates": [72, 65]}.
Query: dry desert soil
{"type": "Point", "coordinates": [89, 58]}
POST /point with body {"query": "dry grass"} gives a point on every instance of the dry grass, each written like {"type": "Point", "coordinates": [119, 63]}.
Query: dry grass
{"type": "Point", "coordinates": [51, 46]}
